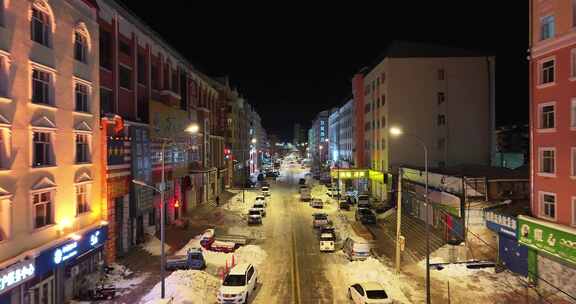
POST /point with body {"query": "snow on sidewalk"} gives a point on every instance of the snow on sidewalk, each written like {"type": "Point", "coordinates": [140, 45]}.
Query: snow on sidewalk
{"type": "Point", "coordinates": [122, 278]}
{"type": "Point", "coordinates": [186, 287]}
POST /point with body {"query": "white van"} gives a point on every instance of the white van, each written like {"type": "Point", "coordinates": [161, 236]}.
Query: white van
{"type": "Point", "coordinates": [238, 284]}
{"type": "Point", "coordinates": [356, 248]}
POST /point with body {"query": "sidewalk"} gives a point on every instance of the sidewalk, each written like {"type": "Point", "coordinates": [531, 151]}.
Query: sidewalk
{"type": "Point", "coordinates": [201, 218]}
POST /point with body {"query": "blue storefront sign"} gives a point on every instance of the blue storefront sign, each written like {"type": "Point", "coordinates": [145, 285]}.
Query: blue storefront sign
{"type": "Point", "coordinates": [511, 254]}
{"type": "Point", "coordinates": [68, 251]}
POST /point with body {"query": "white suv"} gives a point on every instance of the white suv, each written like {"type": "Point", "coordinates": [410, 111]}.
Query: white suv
{"type": "Point", "coordinates": [238, 284]}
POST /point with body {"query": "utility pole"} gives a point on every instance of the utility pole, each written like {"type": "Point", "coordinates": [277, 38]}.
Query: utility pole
{"type": "Point", "coordinates": [398, 219]}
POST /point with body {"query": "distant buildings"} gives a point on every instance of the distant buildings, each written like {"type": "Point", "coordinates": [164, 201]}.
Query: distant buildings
{"type": "Point", "coordinates": [299, 136]}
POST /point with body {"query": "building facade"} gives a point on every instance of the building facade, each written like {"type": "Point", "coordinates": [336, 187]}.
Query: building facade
{"type": "Point", "coordinates": [51, 209]}
{"type": "Point", "coordinates": [334, 136]}
{"type": "Point", "coordinates": [454, 99]}
{"type": "Point", "coordinates": [346, 138]}
{"type": "Point", "coordinates": [550, 233]}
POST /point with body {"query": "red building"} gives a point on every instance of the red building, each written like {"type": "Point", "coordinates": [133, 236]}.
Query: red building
{"type": "Point", "coordinates": [553, 144]}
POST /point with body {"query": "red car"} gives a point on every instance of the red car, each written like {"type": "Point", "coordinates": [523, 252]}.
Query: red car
{"type": "Point", "coordinates": [220, 246]}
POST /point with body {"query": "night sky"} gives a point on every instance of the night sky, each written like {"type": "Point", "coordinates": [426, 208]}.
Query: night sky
{"type": "Point", "coordinates": [292, 61]}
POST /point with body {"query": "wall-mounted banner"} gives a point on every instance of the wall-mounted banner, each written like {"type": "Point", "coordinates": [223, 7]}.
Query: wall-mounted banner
{"type": "Point", "coordinates": [16, 275]}
{"type": "Point", "coordinates": [557, 240]}
{"type": "Point", "coordinates": [450, 184]}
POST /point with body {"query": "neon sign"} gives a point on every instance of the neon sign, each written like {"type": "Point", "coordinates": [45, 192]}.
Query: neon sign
{"type": "Point", "coordinates": [65, 253]}
{"type": "Point", "coordinates": [16, 275]}
{"type": "Point", "coordinates": [95, 238]}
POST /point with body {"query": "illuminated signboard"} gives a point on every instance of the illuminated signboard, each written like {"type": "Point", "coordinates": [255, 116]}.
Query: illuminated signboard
{"type": "Point", "coordinates": [349, 173]}
{"type": "Point", "coordinates": [16, 275]}
{"type": "Point", "coordinates": [68, 251]}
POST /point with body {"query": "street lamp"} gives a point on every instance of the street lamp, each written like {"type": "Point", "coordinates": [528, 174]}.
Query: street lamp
{"type": "Point", "coordinates": [396, 131]}
{"type": "Point", "coordinates": [192, 129]}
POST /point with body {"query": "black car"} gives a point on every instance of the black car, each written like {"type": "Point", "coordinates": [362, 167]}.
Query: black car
{"type": "Point", "coordinates": [344, 205]}
{"type": "Point", "coordinates": [365, 216]}
{"type": "Point", "coordinates": [302, 181]}
{"type": "Point", "coordinates": [260, 177]}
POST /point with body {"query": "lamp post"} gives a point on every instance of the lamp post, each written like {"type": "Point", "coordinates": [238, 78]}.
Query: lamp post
{"type": "Point", "coordinates": [192, 129]}
{"type": "Point", "coordinates": [395, 131]}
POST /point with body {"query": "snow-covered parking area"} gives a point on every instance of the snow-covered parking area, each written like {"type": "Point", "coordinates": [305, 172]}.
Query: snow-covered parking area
{"type": "Point", "coordinates": [185, 287]}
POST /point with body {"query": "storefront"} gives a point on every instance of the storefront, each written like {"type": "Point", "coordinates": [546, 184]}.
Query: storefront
{"type": "Point", "coordinates": [551, 255]}
{"type": "Point", "coordinates": [511, 254]}
{"type": "Point", "coordinates": [13, 279]}
{"type": "Point", "coordinates": [69, 269]}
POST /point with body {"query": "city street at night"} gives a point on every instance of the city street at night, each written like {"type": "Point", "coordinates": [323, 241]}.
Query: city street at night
{"type": "Point", "coordinates": [236, 153]}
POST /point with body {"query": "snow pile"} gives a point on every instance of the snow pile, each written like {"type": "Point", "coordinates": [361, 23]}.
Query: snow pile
{"type": "Point", "coordinates": [250, 232]}
{"type": "Point", "coordinates": [186, 287]}
{"type": "Point", "coordinates": [371, 270]}
{"type": "Point", "coordinates": [252, 254]}
{"type": "Point", "coordinates": [153, 246]}
{"type": "Point", "coordinates": [121, 278]}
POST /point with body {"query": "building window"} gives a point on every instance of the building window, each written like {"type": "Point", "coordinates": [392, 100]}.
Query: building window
{"type": "Point", "coordinates": [573, 63]}
{"type": "Point", "coordinates": [548, 204]}
{"type": "Point", "coordinates": [441, 74]}
{"type": "Point", "coordinates": [41, 83]}
{"type": "Point", "coordinates": [547, 161]}
{"type": "Point", "coordinates": [547, 71]}
{"type": "Point", "coordinates": [573, 161]}
{"type": "Point", "coordinates": [441, 143]}
{"type": "Point", "coordinates": [105, 49]}
{"type": "Point", "coordinates": [124, 47]}
{"type": "Point", "coordinates": [82, 148]}
{"type": "Point", "coordinates": [42, 149]}
{"type": "Point", "coordinates": [175, 81]}
{"type": "Point", "coordinates": [383, 146]}
{"type": "Point", "coordinates": [383, 122]}
{"type": "Point", "coordinates": [42, 209]}
{"type": "Point", "coordinates": [40, 27]}
{"type": "Point", "coordinates": [573, 13]}
{"type": "Point", "coordinates": [441, 97]}
{"type": "Point", "coordinates": [106, 101]}
{"type": "Point", "coordinates": [82, 205]}
{"type": "Point", "coordinates": [125, 78]}
{"type": "Point", "coordinates": [154, 77]}
{"type": "Point", "coordinates": [80, 47]}
{"type": "Point", "coordinates": [81, 92]}
{"type": "Point", "coordinates": [573, 114]}
{"type": "Point", "coordinates": [574, 211]}
{"type": "Point", "coordinates": [441, 119]}
{"type": "Point", "coordinates": [546, 27]}
{"type": "Point", "coordinates": [141, 69]}
{"type": "Point", "coordinates": [547, 116]}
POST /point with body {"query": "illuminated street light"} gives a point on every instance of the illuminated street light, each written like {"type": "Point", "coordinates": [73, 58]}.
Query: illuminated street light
{"type": "Point", "coordinates": [193, 128]}
{"type": "Point", "coordinates": [395, 131]}
{"type": "Point", "coordinates": [254, 141]}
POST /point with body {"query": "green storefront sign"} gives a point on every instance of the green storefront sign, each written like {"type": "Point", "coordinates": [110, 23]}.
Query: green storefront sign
{"type": "Point", "coordinates": [556, 240]}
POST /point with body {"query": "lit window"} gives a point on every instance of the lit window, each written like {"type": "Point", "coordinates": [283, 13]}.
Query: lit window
{"type": "Point", "coordinates": [547, 116]}
{"type": "Point", "coordinates": [547, 160]}
{"type": "Point", "coordinates": [546, 27]}
{"type": "Point", "coordinates": [81, 91]}
{"type": "Point", "coordinates": [548, 204]}
{"type": "Point", "coordinates": [40, 29]}
{"type": "Point", "coordinates": [82, 205]}
{"type": "Point", "coordinates": [42, 209]}
{"type": "Point", "coordinates": [80, 47]}
{"type": "Point", "coordinates": [42, 149]}
{"type": "Point", "coordinates": [547, 71]}
{"type": "Point", "coordinates": [82, 148]}
{"type": "Point", "coordinates": [41, 84]}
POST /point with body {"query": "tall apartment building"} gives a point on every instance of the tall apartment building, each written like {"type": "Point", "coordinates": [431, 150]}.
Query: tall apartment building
{"type": "Point", "coordinates": [346, 137]}
{"type": "Point", "coordinates": [550, 233]}
{"type": "Point", "coordinates": [51, 233]}
{"type": "Point", "coordinates": [334, 136]}
{"type": "Point", "coordinates": [449, 106]}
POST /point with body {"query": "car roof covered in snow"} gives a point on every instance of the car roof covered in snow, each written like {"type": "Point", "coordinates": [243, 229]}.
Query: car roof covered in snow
{"type": "Point", "coordinates": [240, 268]}
{"type": "Point", "coordinates": [372, 286]}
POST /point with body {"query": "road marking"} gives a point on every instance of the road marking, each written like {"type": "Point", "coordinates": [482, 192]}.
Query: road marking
{"type": "Point", "coordinates": [295, 271]}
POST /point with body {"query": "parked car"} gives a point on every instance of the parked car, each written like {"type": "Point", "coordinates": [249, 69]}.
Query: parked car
{"type": "Point", "coordinates": [192, 260]}
{"type": "Point", "coordinates": [260, 177]}
{"type": "Point", "coordinates": [264, 184]}
{"type": "Point", "coordinates": [327, 228]}
{"type": "Point", "coordinates": [302, 181]}
{"type": "Point", "coordinates": [363, 201]}
{"type": "Point", "coordinates": [317, 203]}
{"type": "Point", "coordinates": [254, 217]}
{"type": "Point", "coordinates": [265, 191]}
{"type": "Point", "coordinates": [344, 205]}
{"type": "Point", "coordinates": [365, 216]}
{"type": "Point", "coordinates": [260, 207]}
{"type": "Point", "coordinates": [356, 248]}
{"type": "Point", "coordinates": [305, 194]}
{"type": "Point", "coordinates": [319, 219]}
{"type": "Point", "coordinates": [368, 293]}
{"type": "Point", "coordinates": [221, 246]}
{"type": "Point", "coordinates": [238, 284]}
